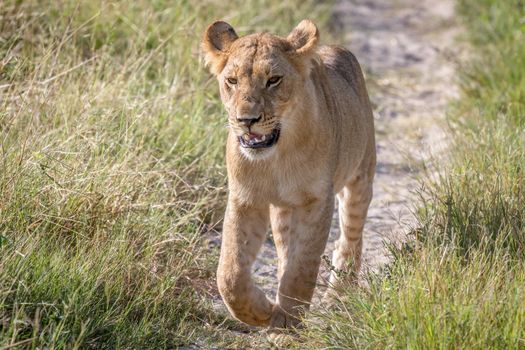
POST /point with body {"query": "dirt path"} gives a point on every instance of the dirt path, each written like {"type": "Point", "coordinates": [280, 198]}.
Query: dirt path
{"type": "Point", "coordinates": [404, 47]}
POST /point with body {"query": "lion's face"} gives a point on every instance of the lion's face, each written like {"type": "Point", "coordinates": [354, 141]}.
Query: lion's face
{"type": "Point", "coordinates": [258, 76]}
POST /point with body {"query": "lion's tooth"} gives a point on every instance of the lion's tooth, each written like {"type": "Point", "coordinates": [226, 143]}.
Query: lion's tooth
{"type": "Point", "coordinates": [263, 138]}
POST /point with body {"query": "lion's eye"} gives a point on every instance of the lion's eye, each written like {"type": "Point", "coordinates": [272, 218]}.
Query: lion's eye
{"type": "Point", "coordinates": [231, 81]}
{"type": "Point", "coordinates": [274, 81]}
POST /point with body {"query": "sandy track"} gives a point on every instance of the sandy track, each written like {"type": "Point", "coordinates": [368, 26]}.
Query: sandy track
{"type": "Point", "coordinates": [404, 47]}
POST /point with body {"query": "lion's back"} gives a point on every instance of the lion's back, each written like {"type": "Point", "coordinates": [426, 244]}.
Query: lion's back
{"type": "Point", "coordinates": [355, 124]}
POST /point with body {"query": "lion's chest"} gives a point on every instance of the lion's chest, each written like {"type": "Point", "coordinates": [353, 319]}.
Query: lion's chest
{"type": "Point", "coordinates": [288, 187]}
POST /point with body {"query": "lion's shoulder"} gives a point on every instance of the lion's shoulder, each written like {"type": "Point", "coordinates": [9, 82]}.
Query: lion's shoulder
{"type": "Point", "coordinates": [343, 63]}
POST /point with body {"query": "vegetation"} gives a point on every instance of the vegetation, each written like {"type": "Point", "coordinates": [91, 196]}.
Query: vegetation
{"type": "Point", "coordinates": [112, 179]}
{"type": "Point", "coordinates": [111, 169]}
{"type": "Point", "coordinates": [461, 284]}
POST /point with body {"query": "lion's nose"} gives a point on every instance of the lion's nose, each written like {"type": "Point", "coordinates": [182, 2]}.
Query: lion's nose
{"type": "Point", "coordinates": [249, 120]}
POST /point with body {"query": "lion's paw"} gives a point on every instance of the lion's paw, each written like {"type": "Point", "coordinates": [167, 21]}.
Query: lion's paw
{"type": "Point", "coordinates": [280, 338]}
{"type": "Point", "coordinates": [281, 319]}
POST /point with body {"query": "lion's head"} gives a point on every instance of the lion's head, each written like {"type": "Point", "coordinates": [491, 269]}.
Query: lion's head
{"type": "Point", "coordinates": [260, 77]}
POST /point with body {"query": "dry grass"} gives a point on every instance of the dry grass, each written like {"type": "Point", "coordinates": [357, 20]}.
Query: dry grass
{"type": "Point", "coordinates": [111, 170]}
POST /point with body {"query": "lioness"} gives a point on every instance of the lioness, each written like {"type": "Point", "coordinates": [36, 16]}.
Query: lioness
{"type": "Point", "coordinates": [301, 130]}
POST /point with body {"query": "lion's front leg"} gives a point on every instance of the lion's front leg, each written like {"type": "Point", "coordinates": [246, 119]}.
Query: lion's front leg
{"type": "Point", "coordinates": [300, 234]}
{"type": "Point", "coordinates": [243, 234]}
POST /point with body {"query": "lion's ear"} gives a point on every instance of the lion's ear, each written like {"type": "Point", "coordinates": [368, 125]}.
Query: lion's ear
{"type": "Point", "coordinates": [217, 39]}
{"type": "Point", "coordinates": [304, 37]}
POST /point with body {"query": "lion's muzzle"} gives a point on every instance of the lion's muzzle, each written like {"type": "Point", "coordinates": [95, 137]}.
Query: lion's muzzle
{"type": "Point", "coordinates": [254, 140]}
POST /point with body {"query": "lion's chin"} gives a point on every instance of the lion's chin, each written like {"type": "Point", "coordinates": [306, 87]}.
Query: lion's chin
{"type": "Point", "coordinates": [258, 154]}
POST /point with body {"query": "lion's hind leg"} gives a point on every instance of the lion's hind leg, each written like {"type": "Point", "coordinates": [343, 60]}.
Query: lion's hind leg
{"type": "Point", "coordinates": [354, 200]}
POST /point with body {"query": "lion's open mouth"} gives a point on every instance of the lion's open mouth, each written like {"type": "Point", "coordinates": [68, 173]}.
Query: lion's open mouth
{"type": "Point", "coordinates": [253, 140]}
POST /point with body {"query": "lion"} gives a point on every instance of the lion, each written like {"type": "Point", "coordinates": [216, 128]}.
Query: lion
{"type": "Point", "coordinates": [301, 132]}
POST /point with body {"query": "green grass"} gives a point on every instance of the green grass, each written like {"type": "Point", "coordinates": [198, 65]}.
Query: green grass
{"type": "Point", "coordinates": [111, 178]}
{"type": "Point", "coordinates": [111, 169]}
{"type": "Point", "coordinates": [460, 284]}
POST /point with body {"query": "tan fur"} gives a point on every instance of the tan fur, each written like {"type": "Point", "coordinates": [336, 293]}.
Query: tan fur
{"type": "Point", "coordinates": [326, 147]}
